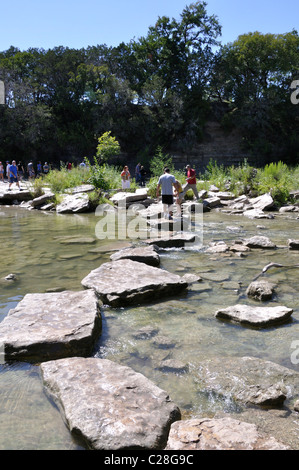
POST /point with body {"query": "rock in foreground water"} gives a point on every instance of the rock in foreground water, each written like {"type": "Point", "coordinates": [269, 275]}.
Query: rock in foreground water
{"type": "Point", "coordinates": [248, 315]}
{"type": "Point", "coordinates": [219, 434]}
{"type": "Point", "coordinates": [108, 405]}
{"type": "Point", "coordinates": [248, 380]}
{"type": "Point", "coordinates": [52, 325]}
{"type": "Point", "coordinates": [127, 282]}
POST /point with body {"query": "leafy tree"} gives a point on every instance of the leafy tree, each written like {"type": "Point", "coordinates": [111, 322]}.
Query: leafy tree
{"type": "Point", "coordinates": [107, 147]}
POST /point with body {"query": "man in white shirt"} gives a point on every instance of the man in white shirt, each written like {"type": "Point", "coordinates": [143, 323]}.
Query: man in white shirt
{"type": "Point", "coordinates": [166, 183]}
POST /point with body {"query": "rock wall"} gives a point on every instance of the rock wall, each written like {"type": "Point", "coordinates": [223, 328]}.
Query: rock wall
{"type": "Point", "coordinates": [218, 145]}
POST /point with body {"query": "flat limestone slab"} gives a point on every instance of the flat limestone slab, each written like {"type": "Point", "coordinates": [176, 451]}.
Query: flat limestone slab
{"type": "Point", "coordinates": [255, 316]}
{"type": "Point", "coordinates": [109, 405]}
{"type": "Point", "coordinates": [147, 255]}
{"type": "Point", "coordinates": [50, 326]}
{"type": "Point", "coordinates": [127, 282]}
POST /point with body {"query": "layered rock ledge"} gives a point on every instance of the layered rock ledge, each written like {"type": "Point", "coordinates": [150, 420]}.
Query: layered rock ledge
{"type": "Point", "coordinates": [53, 325]}
{"type": "Point", "coordinates": [127, 282]}
{"type": "Point", "coordinates": [108, 405]}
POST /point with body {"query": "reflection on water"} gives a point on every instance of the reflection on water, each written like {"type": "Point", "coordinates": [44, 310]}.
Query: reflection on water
{"type": "Point", "coordinates": [49, 252]}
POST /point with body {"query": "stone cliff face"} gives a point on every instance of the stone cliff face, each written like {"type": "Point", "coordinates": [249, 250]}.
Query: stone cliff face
{"type": "Point", "coordinates": [217, 145]}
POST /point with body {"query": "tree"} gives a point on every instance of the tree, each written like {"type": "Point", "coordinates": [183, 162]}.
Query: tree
{"type": "Point", "coordinates": [254, 74]}
{"type": "Point", "coordinates": [107, 147]}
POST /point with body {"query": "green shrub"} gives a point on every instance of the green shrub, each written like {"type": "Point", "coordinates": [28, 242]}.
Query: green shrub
{"type": "Point", "coordinates": [159, 161]}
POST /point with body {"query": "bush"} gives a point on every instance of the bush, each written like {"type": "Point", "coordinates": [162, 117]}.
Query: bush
{"type": "Point", "coordinates": [60, 180]}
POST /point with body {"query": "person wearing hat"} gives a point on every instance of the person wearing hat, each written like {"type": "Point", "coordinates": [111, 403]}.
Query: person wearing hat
{"type": "Point", "coordinates": [191, 182]}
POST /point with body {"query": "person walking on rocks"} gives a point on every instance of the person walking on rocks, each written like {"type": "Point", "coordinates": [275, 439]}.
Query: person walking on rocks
{"type": "Point", "coordinates": [14, 175]}
{"type": "Point", "coordinates": [191, 182]}
{"type": "Point", "coordinates": [178, 197]}
{"type": "Point", "coordinates": [166, 183]}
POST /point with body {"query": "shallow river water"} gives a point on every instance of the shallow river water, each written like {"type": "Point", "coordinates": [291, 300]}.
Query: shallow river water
{"type": "Point", "coordinates": [43, 250]}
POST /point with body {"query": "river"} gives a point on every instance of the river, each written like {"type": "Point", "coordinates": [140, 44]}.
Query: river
{"type": "Point", "coordinates": [42, 250]}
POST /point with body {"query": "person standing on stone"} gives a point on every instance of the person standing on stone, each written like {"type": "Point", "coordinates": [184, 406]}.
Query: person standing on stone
{"type": "Point", "coordinates": [7, 171]}
{"type": "Point", "coordinates": [125, 178]}
{"type": "Point", "coordinates": [142, 175]}
{"type": "Point", "coordinates": [30, 170]}
{"type": "Point", "coordinates": [137, 173]}
{"type": "Point", "coordinates": [191, 182]}
{"type": "Point", "coordinates": [166, 183]}
{"type": "Point", "coordinates": [14, 175]}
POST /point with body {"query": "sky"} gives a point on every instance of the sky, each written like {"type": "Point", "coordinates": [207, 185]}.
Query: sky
{"type": "Point", "coordinates": [78, 24]}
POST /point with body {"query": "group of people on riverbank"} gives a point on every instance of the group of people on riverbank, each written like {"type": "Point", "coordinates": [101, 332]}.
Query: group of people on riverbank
{"type": "Point", "coordinates": [15, 173]}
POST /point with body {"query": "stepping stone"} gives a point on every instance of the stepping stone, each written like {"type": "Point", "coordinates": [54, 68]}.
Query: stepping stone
{"type": "Point", "coordinates": [51, 325]}
{"type": "Point", "coordinates": [108, 405]}
{"type": "Point", "coordinates": [255, 316]}
{"type": "Point", "coordinates": [127, 282]}
{"type": "Point", "coordinates": [147, 255]}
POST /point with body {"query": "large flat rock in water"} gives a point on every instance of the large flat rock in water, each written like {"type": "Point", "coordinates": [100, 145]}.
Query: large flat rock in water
{"type": "Point", "coordinates": [255, 316]}
{"type": "Point", "coordinates": [50, 326]}
{"type": "Point", "coordinates": [108, 405]}
{"type": "Point", "coordinates": [127, 282]}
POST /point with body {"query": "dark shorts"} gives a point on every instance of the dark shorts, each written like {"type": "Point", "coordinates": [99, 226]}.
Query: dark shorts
{"type": "Point", "coordinates": [13, 179]}
{"type": "Point", "coordinates": [167, 199]}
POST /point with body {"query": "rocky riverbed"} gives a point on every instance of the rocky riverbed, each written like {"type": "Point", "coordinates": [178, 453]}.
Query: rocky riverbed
{"type": "Point", "coordinates": [263, 395]}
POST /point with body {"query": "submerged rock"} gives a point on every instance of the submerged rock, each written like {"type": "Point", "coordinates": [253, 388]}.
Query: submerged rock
{"type": "Point", "coordinates": [255, 316]}
{"type": "Point", "coordinates": [219, 434]}
{"type": "Point", "coordinates": [126, 282]}
{"type": "Point", "coordinates": [248, 380]}
{"type": "Point", "coordinates": [110, 406]}
{"type": "Point", "coordinates": [50, 326]}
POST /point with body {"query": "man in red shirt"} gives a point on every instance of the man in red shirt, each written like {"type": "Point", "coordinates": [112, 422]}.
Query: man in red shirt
{"type": "Point", "coordinates": [191, 182]}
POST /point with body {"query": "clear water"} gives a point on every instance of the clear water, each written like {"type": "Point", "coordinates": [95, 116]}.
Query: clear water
{"type": "Point", "coordinates": [43, 250]}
